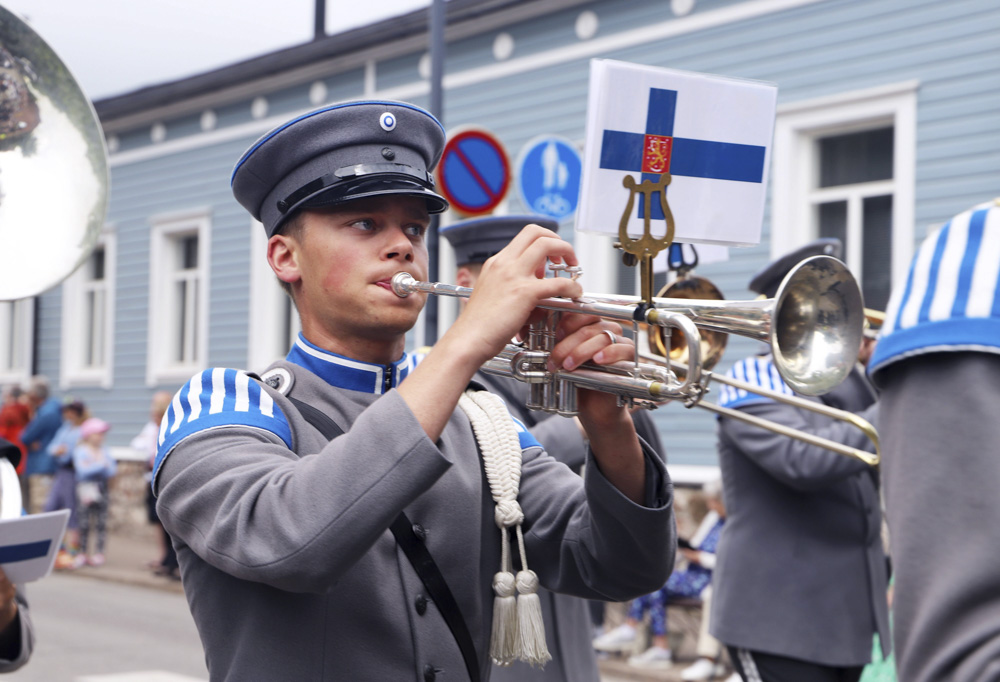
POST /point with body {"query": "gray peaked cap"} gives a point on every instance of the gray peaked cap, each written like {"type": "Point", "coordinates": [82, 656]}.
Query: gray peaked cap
{"type": "Point", "coordinates": [477, 239]}
{"type": "Point", "coordinates": [768, 279]}
{"type": "Point", "coordinates": [339, 153]}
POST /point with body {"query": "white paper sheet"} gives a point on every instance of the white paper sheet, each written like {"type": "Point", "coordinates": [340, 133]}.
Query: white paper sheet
{"type": "Point", "coordinates": [28, 544]}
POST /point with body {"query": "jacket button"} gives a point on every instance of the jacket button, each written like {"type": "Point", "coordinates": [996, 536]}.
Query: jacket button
{"type": "Point", "coordinates": [420, 603]}
{"type": "Point", "coordinates": [429, 673]}
{"type": "Point", "coordinates": [420, 532]}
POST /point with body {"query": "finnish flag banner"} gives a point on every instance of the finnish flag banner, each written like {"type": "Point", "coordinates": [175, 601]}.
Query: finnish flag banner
{"type": "Point", "coordinates": [712, 134]}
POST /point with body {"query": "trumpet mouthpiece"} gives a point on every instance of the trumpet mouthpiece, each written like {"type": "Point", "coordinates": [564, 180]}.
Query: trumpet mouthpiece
{"type": "Point", "coordinates": [401, 284]}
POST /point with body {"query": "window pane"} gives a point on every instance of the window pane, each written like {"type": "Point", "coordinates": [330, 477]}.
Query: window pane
{"type": "Point", "coordinates": [8, 343]}
{"type": "Point", "coordinates": [856, 157]}
{"type": "Point", "coordinates": [189, 252]}
{"type": "Point", "coordinates": [876, 270]}
{"type": "Point", "coordinates": [97, 264]}
{"type": "Point", "coordinates": [833, 221]}
{"type": "Point", "coordinates": [181, 319]}
{"type": "Point", "coordinates": [91, 314]}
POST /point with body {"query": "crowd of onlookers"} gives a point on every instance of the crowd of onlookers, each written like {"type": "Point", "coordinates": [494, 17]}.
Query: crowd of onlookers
{"type": "Point", "coordinates": [65, 464]}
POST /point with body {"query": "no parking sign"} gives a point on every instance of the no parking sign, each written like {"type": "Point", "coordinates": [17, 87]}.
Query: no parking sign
{"type": "Point", "coordinates": [473, 174]}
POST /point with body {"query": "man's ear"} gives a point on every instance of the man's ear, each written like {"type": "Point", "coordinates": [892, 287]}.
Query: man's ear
{"type": "Point", "coordinates": [283, 257]}
{"type": "Point", "coordinates": [464, 277]}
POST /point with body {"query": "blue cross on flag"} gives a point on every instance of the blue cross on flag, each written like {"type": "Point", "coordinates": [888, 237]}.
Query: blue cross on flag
{"type": "Point", "coordinates": [712, 134]}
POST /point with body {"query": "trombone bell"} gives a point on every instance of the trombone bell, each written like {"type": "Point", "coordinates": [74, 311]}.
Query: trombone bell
{"type": "Point", "coordinates": [817, 325]}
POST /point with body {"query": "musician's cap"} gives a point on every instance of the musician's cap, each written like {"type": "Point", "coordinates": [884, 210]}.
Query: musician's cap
{"type": "Point", "coordinates": [767, 280]}
{"type": "Point", "coordinates": [477, 239]}
{"type": "Point", "coordinates": [339, 153]}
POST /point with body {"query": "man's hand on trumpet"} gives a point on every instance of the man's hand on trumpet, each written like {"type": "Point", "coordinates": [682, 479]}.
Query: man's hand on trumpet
{"type": "Point", "coordinates": [609, 428]}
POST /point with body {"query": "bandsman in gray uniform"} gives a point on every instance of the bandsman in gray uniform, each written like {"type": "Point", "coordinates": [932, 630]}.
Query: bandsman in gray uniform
{"type": "Point", "coordinates": [333, 521]}
{"type": "Point", "coordinates": [937, 364]}
{"type": "Point", "coordinates": [17, 636]}
{"type": "Point", "coordinates": [800, 580]}
{"type": "Point", "coordinates": [567, 619]}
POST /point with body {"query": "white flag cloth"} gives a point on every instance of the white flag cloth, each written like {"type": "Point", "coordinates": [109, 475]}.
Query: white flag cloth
{"type": "Point", "coordinates": [712, 134]}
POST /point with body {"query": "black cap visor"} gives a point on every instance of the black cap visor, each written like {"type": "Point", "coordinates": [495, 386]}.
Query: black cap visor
{"type": "Point", "coordinates": [379, 180]}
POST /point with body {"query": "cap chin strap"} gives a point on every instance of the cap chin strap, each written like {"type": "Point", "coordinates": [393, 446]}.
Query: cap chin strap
{"type": "Point", "coordinates": [518, 630]}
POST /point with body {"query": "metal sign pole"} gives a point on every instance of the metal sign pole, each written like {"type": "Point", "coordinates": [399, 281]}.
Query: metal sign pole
{"type": "Point", "coordinates": [437, 23]}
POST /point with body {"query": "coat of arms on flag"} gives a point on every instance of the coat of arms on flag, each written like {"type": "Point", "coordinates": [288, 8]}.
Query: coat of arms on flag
{"type": "Point", "coordinates": [711, 134]}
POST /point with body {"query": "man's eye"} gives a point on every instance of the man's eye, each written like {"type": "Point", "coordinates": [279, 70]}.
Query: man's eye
{"type": "Point", "coordinates": [416, 230]}
{"type": "Point", "coordinates": [364, 224]}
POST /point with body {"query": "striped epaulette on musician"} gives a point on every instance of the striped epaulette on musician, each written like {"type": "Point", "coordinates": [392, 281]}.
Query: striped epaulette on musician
{"type": "Point", "coordinates": [951, 299]}
{"type": "Point", "coordinates": [218, 398]}
{"type": "Point", "coordinates": [757, 371]}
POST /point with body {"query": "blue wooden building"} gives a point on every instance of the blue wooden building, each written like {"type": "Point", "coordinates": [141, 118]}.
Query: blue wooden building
{"type": "Point", "coordinates": [886, 127]}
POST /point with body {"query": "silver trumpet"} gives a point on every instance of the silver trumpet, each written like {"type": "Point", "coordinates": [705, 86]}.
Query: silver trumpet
{"type": "Point", "coordinates": [813, 325]}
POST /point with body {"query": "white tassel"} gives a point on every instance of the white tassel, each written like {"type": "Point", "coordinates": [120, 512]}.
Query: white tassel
{"type": "Point", "coordinates": [518, 629]}
{"type": "Point", "coordinates": [504, 638]}
{"type": "Point", "coordinates": [530, 626]}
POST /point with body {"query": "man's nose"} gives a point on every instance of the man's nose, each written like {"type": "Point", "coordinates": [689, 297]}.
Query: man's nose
{"type": "Point", "coordinates": [399, 245]}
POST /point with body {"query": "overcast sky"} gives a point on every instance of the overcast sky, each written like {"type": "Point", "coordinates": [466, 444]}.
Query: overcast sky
{"type": "Point", "coordinates": [116, 46]}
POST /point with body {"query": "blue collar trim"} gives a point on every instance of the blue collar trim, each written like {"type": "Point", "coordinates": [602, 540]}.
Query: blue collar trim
{"type": "Point", "coordinates": [344, 372]}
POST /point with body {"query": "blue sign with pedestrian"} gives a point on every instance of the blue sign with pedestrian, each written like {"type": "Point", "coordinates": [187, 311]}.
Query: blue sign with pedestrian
{"type": "Point", "coordinates": [548, 176]}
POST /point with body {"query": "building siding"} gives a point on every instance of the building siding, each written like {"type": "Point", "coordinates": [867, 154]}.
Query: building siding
{"type": "Point", "coordinates": [810, 50]}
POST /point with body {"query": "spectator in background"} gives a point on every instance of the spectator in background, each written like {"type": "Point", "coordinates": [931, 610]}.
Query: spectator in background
{"type": "Point", "coordinates": [46, 418]}
{"type": "Point", "coordinates": [63, 492]}
{"type": "Point", "coordinates": [14, 416]}
{"type": "Point", "coordinates": [687, 582]}
{"type": "Point", "coordinates": [145, 442]}
{"type": "Point", "coordinates": [94, 467]}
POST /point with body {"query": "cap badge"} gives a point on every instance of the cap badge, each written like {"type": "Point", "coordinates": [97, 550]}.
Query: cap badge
{"type": "Point", "coordinates": [387, 121]}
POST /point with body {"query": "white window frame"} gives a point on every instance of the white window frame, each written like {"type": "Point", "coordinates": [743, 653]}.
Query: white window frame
{"type": "Point", "coordinates": [268, 306]}
{"type": "Point", "coordinates": [798, 127]}
{"type": "Point", "coordinates": [24, 321]}
{"type": "Point", "coordinates": [166, 230]}
{"type": "Point", "coordinates": [74, 372]}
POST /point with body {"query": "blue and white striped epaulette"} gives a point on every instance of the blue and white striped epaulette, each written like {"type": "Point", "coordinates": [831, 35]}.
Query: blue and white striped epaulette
{"type": "Point", "coordinates": [758, 371]}
{"type": "Point", "coordinates": [951, 299]}
{"type": "Point", "coordinates": [218, 398]}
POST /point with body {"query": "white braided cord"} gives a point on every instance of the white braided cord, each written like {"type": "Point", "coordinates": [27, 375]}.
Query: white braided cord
{"type": "Point", "coordinates": [517, 633]}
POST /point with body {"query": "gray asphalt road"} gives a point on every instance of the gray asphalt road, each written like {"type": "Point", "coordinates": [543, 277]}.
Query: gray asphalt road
{"type": "Point", "coordinates": [98, 631]}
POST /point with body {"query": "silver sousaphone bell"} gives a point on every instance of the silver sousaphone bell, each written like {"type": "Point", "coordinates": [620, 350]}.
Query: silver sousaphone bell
{"type": "Point", "coordinates": [53, 180]}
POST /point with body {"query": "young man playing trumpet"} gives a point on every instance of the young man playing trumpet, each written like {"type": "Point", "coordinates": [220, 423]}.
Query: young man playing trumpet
{"type": "Point", "coordinates": [295, 542]}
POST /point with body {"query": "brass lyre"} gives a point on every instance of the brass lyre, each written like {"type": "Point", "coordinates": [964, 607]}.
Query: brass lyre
{"type": "Point", "coordinates": [644, 249]}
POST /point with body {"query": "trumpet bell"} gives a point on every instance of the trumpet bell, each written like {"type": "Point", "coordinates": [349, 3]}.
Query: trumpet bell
{"type": "Point", "coordinates": [817, 325]}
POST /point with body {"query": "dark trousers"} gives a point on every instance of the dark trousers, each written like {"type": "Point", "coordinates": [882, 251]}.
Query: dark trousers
{"type": "Point", "coordinates": [754, 666]}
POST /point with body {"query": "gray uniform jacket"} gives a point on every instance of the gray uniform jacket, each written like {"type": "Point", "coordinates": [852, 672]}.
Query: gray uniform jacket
{"type": "Point", "coordinates": [26, 636]}
{"type": "Point", "coordinates": [940, 431]}
{"type": "Point", "coordinates": [800, 571]}
{"type": "Point", "coordinates": [567, 621]}
{"type": "Point", "coordinates": [288, 566]}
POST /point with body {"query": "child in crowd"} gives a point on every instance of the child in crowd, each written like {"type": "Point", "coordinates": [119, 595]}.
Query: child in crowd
{"type": "Point", "coordinates": [94, 466]}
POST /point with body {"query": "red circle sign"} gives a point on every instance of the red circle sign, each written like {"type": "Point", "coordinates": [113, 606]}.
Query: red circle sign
{"type": "Point", "coordinates": [474, 173]}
